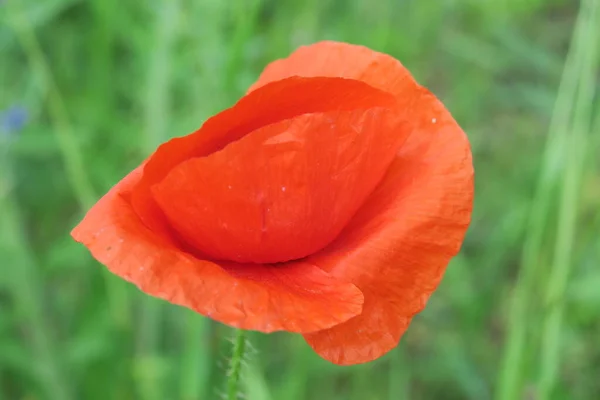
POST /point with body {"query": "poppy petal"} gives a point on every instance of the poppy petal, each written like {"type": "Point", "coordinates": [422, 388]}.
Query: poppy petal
{"type": "Point", "coordinates": [274, 102]}
{"type": "Point", "coordinates": [335, 59]}
{"type": "Point", "coordinates": [296, 297]}
{"type": "Point", "coordinates": [284, 191]}
{"type": "Point", "coordinates": [397, 246]}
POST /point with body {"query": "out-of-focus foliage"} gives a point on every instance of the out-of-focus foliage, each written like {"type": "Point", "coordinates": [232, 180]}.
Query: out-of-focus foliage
{"type": "Point", "coordinates": [97, 84]}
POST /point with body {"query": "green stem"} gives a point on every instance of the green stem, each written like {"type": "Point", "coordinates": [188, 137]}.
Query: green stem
{"type": "Point", "coordinates": [235, 365]}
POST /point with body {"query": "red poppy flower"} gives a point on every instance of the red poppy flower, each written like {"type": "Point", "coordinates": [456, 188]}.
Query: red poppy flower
{"type": "Point", "coordinates": [327, 202]}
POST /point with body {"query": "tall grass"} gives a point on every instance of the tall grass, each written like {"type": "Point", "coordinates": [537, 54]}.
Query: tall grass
{"type": "Point", "coordinates": [75, 168]}
{"type": "Point", "coordinates": [25, 286]}
{"type": "Point", "coordinates": [575, 156]}
{"type": "Point", "coordinates": [560, 176]}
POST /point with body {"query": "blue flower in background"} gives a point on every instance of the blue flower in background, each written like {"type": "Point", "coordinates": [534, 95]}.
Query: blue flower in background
{"type": "Point", "coordinates": [13, 119]}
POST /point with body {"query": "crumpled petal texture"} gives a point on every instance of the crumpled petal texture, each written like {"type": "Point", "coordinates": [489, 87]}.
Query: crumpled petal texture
{"type": "Point", "coordinates": [328, 201]}
{"type": "Point", "coordinates": [397, 247]}
{"type": "Point", "coordinates": [289, 297]}
{"type": "Point", "coordinates": [286, 190]}
{"type": "Point", "coordinates": [272, 103]}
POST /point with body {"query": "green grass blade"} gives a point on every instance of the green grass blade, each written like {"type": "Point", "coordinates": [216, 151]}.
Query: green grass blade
{"type": "Point", "coordinates": [399, 384]}
{"type": "Point", "coordinates": [72, 157]}
{"type": "Point", "coordinates": [76, 171]}
{"type": "Point", "coordinates": [246, 13]}
{"type": "Point", "coordinates": [196, 356]}
{"type": "Point", "coordinates": [157, 115]}
{"type": "Point", "coordinates": [569, 203]}
{"type": "Point", "coordinates": [511, 371]}
{"type": "Point", "coordinates": [27, 291]}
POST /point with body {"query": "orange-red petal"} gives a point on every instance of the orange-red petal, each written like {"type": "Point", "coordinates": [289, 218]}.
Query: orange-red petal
{"type": "Point", "coordinates": [296, 297]}
{"type": "Point", "coordinates": [399, 243]}
{"type": "Point", "coordinates": [334, 59]}
{"type": "Point", "coordinates": [284, 191]}
{"type": "Point", "coordinates": [274, 102]}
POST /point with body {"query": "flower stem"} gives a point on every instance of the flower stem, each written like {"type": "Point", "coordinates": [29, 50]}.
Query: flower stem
{"type": "Point", "coordinates": [235, 365]}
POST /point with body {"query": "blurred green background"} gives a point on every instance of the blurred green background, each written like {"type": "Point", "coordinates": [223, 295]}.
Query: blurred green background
{"type": "Point", "coordinates": [89, 88]}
